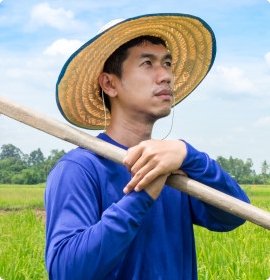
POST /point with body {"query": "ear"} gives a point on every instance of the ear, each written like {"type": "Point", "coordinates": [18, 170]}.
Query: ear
{"type": "Point", "coordinates": [107, 83]}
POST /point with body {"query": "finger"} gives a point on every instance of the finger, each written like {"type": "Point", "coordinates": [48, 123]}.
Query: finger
{"type": "Point", "coordinates": [132, 155]}
{"type": "Point", "coordinates": [146, 180]}
{"type": "Point", "coordinates": [142, 178]}
{"type": "Point", "coordinates": [142, 166]}
{"type": "Point", "coordinates": [142, 150]}
{"type": "Point", "coordinates": [152, 172]}
{"type": "Point", "coordinates": [135, 180]}
{"type": "Point", "coordinates": [146, 159]}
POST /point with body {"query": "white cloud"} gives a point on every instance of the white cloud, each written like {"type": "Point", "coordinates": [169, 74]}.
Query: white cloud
{"type": "Point", "coordinates": [63, 47]}
{"type": "Point", "coordinates": [267, 57]}
{"type": "Point", "coordinates": [263, 122]}
{"type": "Point", "coordinates": [235, 80]}
{"type": "Point", "coordinates": [43, 15]}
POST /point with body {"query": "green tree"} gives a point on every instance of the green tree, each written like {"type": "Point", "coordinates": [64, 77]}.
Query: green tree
{"type": "Point", "coordinates": [9, 167]}
{"type": "Point", "coordinates": [248, 168]}
{"type": "Point", "coordinates": [19, 168]}
{"type": "Point", "coordinates": [5, 176]}
{"type": "Point", "coordinates": [10, 151]}
{"type": "Point", "coordinates": [36, 158]}
{"type": "Point", "coordinates": [265, 171]}
{"type": "Point", "coordinates": [237, 168]}
{"type": "Point", "coordinates": [26, 176]}
{"type": "Point", "coordinates": [264, 168]}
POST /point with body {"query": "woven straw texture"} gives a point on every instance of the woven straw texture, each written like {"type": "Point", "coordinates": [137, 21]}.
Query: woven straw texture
{"type": "Point", "coordinates": [189, 39]}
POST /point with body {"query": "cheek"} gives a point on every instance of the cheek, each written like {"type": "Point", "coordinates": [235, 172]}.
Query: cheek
{"type": "Point", "coordinates": [139, 80]}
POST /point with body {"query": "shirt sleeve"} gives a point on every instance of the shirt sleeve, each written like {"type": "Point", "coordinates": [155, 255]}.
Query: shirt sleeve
{"type": "Point", "coordinates": [81, 241]}
{"type": "Point", "coordinates": [200, 167]}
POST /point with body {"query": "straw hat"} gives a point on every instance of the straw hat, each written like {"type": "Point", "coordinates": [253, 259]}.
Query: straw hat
{"type": "Point", "coordinates": [189, 39]}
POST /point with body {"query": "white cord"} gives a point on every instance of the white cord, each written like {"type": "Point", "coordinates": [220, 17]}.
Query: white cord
{"type": "Point", "coordinates": [104, 108]}
{"type": "Point", "coordinates": [171, 120]}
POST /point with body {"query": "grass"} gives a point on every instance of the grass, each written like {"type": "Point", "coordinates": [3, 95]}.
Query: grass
{"type": "Point", "coordinates": [21, 196]}
{"type": "Point", "coordinates": [22, 232]}
{"type": "Point", "coordinates": [240, 254]}
{"type": "Point", "coordinates": [22, 246]}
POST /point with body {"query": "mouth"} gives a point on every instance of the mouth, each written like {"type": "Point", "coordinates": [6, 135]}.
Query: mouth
{"type": "Point", "coordinates": [165, 94]}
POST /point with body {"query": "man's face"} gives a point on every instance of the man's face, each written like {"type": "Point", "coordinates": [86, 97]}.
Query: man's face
{"type": "Point", "coordinates": [146, 85]}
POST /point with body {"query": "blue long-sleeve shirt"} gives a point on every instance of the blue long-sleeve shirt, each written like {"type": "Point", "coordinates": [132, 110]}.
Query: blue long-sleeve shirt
{"type": "Point", "coordinates": [95, 231]}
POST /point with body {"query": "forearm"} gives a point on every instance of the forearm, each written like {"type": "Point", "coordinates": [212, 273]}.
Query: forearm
{"type": "Point", "coordinates": [82, 242]}
{"type": "Point", "coordinates": [199, 166]}
{"type": "Point", "coordinates": [93, 252]}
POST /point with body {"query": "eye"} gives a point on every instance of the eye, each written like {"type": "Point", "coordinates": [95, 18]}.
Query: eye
{"type": "Point", "coordinates": [147, 62]}
{"type": "Point", "coordinates": [168, 63]}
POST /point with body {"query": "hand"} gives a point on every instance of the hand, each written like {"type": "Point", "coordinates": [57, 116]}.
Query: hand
{"type": "Point", "coordinates": [151, 159]}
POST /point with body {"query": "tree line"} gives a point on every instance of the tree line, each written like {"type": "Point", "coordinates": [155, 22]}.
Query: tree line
{"type": "Point", "coordinates": [19, 168]}
{"type": "Point", "coordinates": [242, 171]}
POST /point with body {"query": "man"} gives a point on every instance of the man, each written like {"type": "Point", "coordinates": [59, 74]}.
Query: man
{"type": "Point", "coordinates": [109, 221]}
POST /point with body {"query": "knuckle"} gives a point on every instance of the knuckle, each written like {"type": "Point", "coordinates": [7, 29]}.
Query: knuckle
{"type": "Point", "coordinates": [139, 175]}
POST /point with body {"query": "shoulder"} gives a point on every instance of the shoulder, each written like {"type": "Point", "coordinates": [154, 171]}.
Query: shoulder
{"type": "Point", "coordinates": [83, 158]}
{"type": "Point", "coordinates": [80, 155]}
{"type": "Point", "coordinates": [88, 161]}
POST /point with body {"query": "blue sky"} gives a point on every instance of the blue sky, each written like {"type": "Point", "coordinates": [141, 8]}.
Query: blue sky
{"type": "Point", "coordinates": [227, 115]}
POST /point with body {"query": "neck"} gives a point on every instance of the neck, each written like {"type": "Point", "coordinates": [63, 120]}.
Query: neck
{"type": "Point", "coordinates": [129, 133]}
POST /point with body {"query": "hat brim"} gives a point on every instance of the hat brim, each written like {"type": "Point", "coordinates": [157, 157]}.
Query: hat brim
{"type": "Point", "coordinates": [190, 40]}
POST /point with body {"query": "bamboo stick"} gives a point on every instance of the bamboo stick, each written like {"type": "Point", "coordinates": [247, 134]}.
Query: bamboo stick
{"type": "Point", "coordinates": [75, 136]}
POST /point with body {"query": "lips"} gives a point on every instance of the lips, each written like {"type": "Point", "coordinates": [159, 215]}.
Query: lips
{"type": "Point", "coordinates": [165, 93]}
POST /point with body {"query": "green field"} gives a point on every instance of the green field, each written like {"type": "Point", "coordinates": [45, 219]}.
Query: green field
{"type": "Point", "coordinates": [241, 254]}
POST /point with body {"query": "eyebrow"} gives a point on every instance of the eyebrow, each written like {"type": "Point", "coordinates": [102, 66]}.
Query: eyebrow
{"type": "Point", "coordinates": [152, 56]}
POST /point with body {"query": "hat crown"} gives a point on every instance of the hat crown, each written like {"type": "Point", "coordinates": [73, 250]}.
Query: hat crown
{"type": "Point", "coordinates": [110, 24]}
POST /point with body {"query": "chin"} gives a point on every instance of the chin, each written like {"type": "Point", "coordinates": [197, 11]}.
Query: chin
{"type": "Point", "coordinates": [163, 113]}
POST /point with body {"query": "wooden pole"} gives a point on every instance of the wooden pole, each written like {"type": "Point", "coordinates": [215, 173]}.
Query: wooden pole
{"type": "Point", "coordinates": [75, 136]}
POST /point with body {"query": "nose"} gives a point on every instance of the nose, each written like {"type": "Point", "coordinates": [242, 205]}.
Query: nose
{"type": "Point", "coordinates": [164, 75]}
